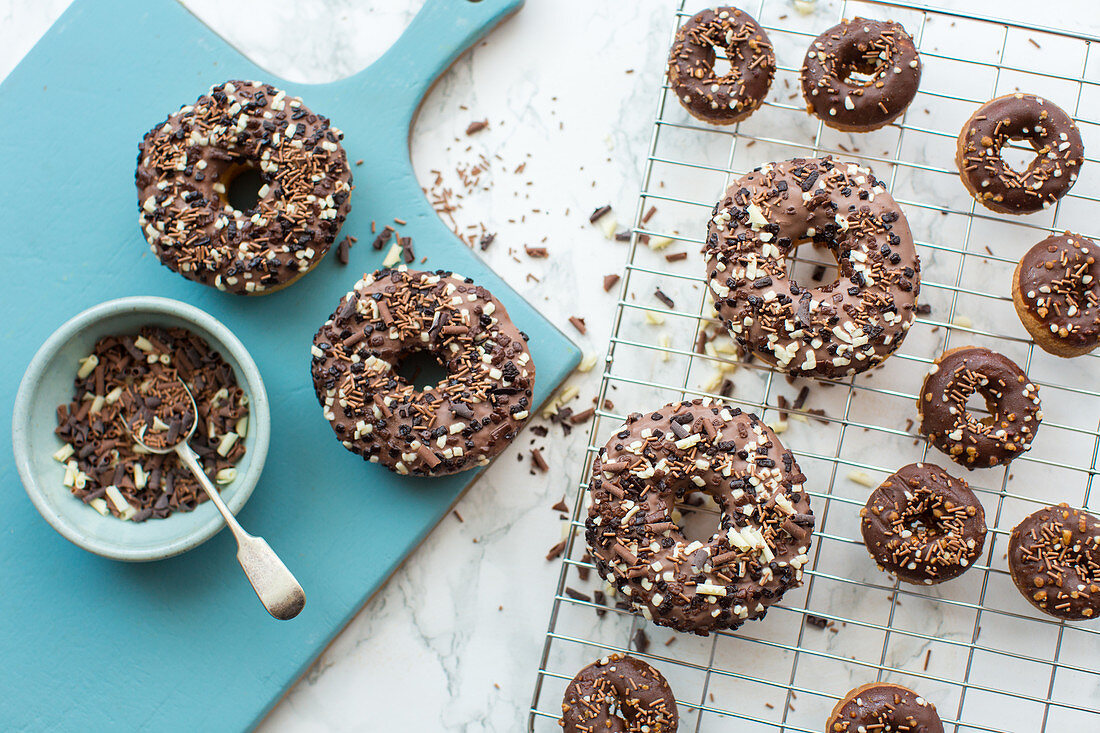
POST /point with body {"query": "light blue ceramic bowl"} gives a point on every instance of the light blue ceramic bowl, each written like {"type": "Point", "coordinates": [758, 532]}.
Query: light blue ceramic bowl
{"type": "Point", "coordinates": [48, 383]}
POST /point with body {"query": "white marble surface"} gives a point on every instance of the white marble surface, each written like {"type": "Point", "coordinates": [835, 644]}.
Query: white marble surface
{"type": "Point", "coordinates": [569, 88]}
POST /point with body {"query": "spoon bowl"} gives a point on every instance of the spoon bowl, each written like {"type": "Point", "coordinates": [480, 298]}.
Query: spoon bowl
{"type": "Point", "coordinates": [48, 382]}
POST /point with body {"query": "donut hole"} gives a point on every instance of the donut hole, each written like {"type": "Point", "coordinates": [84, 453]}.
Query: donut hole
{"type": "Point", "coordinates": [982, 408]}
{"type": "Point", "coordinates": [923, 523]}
{"type": "Point", "coordinates": [698, 517]}
{"type": "Point", "coordinates": [420, 369]}
{"type": "Point", "coordinates": [721, 66]}
{"type": "Point", "coordinates": [623, 708]}
{"type": "Point", "coordinates": [812, 266]}
{"type": "Point", "coordinates": [242, 187]}
{"type": "Point", "coordinates": [860, 69]}
{"type": "Point", "coordinates": [1019, 153]}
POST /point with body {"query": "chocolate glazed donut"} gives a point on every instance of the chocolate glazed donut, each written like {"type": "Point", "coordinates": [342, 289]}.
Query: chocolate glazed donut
{"type": "Point", "coordinates": [842, 328]}
{"type": "Point", "coordinates": [1054, 557]}
{"type": "Point", "coordinates": [880, 49]}
{"type": "Point", "coordinates": [923, 525]}
{"type": "Point", "coordinates": [186, 164]}
{"type": "Point", "coordinates": [882, 706]}
{"type": "Point", "coordinates": [721, 100]}
{"type": "Point", "coordinates": [463, 421]}
{"type": "Point", "coordinates": [971, 441]}
{"type": "Point", "coordinates": [1059, 154]}
{"type": "Point", "coordinates": [760, 546]}
{"type": "Point", "coordinates": [1056, 291]}
{"type": "Point", "coordinates": [619, 694]}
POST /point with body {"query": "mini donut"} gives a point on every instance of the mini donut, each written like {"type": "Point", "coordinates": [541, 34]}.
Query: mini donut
{"type": "Point", "coordinates": [619, 694]}
{"type": "Point", "coordinates": [970, 441]}
{"type": "Point", "coordinates": [923, 525]}
{"type": "Point", "coordinates": [1056, 291]}
{"type": "Point", "coordinates": [186, 164]}
{"type": "Point", "coordinates": [1059, 154]}
{"type": "Point", "coordinates": [880, 49]}
{"type": "Point", "coordinates": [721, 100]}
{"type": "Point", "coordinates": [460, 423]}
{"type": "Point", "coordinates": [884, 706]}
{"type": "Point", "coordinates": [1054, 558]}
{"type": "Point", "coordinates": [763, 534]}
{"type": "Point", "coordinates": [844, 327]}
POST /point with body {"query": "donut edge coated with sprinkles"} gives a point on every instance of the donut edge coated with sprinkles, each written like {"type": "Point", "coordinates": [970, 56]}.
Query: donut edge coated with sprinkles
{"type": "Point", "coordinates": [637, 543]}
{"type": "Point", "coordinates": [833, 330]}
{"type": "Point", "coordinates": [460, 423]}
{"type": "Point", "coordinates": [187, 163]}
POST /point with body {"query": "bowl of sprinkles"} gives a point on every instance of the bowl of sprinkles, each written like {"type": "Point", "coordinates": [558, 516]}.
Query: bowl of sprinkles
{"type": "Point", "coordinates": [121, 366]}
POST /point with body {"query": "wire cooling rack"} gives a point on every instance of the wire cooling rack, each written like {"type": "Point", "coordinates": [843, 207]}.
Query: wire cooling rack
{"type": "Point", "coordinates": [973, 645]}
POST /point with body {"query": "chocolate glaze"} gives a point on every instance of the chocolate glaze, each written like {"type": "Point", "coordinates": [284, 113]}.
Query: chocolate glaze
{"type": "Point", "coordinates": [1057, 293]}
{"type": "Point", "coordinates": [923, 525]}
{"type": "Point", "coordinates": [460, 423]}
{"type": "Point", "coordinates": [882, 706]}
{"type": "Point", "coordinates": [763, 536]}
{"type": "Point", "coordinates": [1059, 154]}
{"type": "Point", "coordinates": [619, 694]}
{"type": "Point", "coordinates": [186, 162]}
{"type": "Point", "coordinates": [721, 100]}
{"type": "Point", "coordinates": [969, 440]}
{"type": "Point", "coordinates": [842, 328]}
{"type": "Point", "coordinates": [877, 48]}
{"type": "Point", "coordinates": [1054, 557]}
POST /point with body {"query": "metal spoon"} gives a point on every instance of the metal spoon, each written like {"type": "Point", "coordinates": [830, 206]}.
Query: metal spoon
{"type": "Point", "coordinates": [275, 585]}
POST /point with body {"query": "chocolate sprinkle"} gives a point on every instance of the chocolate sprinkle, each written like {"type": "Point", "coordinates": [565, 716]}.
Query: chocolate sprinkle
{"type": "Point", "coordinates": [599, 213]}
{"type": "Point", "coordinates": [135, 378]}
{"type": "Point", "coordinates": [476, 126]}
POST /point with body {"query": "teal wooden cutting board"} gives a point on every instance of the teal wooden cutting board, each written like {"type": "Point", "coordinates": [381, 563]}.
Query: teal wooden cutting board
{"type": "Point", "coordinates": [91, 644]}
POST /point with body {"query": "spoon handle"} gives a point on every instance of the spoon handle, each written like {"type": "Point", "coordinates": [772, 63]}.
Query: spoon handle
{"type": "Point", "coordinates": [275, 585]}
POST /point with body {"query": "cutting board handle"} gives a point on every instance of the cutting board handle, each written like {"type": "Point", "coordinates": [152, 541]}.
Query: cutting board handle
{"type": "Point", "coordinates": [438, 35]}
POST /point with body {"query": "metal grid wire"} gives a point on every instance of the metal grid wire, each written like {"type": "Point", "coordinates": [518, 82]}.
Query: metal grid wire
{"type": "Point", "coordinates": [973, 646]}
